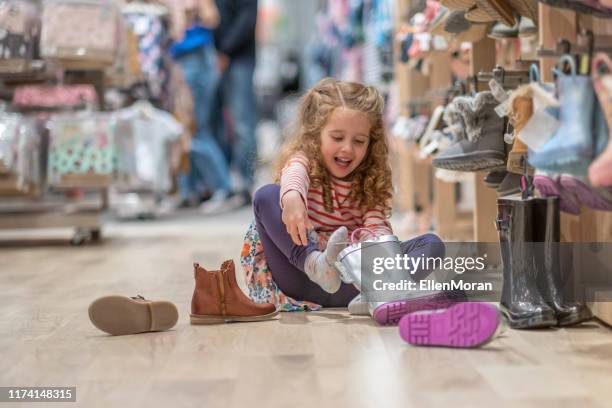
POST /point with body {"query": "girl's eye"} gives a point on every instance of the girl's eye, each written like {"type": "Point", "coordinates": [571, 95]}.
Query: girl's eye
{"type": "Point", "coordinates": [337, 138]}
{"type": "Point", "coordinates": [360, 142]}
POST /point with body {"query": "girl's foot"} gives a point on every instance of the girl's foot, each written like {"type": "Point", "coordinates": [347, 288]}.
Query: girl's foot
{"type": "Point", "coordinates": [319, 266]}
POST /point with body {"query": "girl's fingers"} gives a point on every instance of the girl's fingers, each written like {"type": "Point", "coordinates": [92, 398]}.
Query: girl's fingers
{"type": "Point", "coordinates": [309, 225]}
{"type": "Point", "coordinates": [294, 235]}
{"type": "Point", "coordinates": [303, 234]}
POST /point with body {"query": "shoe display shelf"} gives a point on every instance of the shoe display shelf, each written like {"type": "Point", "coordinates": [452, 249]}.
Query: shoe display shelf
{"type": "Point", "coordinates": [420, 190]}
{"type": "Point", "coordinates": [590, 225]}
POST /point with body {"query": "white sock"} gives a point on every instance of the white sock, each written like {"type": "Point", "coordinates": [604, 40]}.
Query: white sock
{"type": "Point", "coordinates": [319, 266]}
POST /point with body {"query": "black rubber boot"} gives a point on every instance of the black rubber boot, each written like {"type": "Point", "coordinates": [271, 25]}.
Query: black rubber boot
{"type": "Point", "coordinates": [546, 229]}
{"type": "Point", "coordinates": [521, 301]}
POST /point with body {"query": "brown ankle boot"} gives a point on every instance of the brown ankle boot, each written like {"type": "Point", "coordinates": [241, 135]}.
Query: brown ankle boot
{"type": "Point", "coordinates": [522, 108]}
{"type": "Point", "coordinates": [217, 298]}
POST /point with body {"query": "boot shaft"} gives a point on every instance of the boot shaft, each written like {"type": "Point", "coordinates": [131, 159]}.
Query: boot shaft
{"type": "Point", "coordinates": [481, 120]}
{"type": "Point", "coordinates": [217, 293]}
{"type": "Point", "coordinates": [207, 295]}
{"type": "Point", "coordinates": [521, 299]}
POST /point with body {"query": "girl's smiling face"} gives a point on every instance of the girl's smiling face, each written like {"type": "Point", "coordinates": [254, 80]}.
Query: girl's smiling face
{"type": "Point", "coordinates": [344, 141]}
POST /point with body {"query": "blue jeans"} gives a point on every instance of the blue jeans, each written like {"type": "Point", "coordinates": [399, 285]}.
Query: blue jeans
{"type": "Point", "coordinates": [239, 96]}
{"type": "Point", "coordinates": [208, 167]}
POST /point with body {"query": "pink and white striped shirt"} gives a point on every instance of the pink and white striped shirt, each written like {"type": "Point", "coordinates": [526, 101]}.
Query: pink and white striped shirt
{"type": "Point", "coordinates": [294, 176]}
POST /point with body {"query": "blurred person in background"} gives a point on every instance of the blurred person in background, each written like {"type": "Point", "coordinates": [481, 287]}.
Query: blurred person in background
{"type": "Point", "coordinates": [235, 43]}
{"type": "Point", "coordinates": [208, 167]}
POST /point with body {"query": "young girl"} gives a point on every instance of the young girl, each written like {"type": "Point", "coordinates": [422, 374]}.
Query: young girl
{"type": "Point", "coordinates": [333, 177]}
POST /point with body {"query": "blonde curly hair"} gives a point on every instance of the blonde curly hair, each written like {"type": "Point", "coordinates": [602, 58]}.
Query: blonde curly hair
{"type": "Point", "coordinates": [371, 180]}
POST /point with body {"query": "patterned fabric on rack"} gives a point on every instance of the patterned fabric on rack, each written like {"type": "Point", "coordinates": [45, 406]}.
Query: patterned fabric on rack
{"type": "Point", "coordinates": [150, 32]}
{"type": "Point", "coordinates": [262, 288]}
{"type": "Point", "coordinates": [80, 32]}
{"type": "Point", "coordinates": [81, 144]}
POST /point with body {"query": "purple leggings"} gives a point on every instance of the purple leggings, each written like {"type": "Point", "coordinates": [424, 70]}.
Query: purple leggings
{"type": "Point", "coordinates": [286, 260]}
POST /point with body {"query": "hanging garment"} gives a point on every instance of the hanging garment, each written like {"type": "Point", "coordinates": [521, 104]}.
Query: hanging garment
{"type": "Point", "coordinates": [144, 135]}
{"type": "Point", "coordinates": [80, 33]}
{"type": "Point", "coordinates": [151, 34]}
{"type": "Point", "coordinates": [81, 149]}
{"type": "Point", "coordinates": [19, 35]}
{"type": "Point", "coordinates": [19, 155]}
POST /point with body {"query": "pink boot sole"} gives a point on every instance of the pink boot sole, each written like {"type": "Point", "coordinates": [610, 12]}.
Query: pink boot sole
{"type": "Point", "coordinates": [391, 313]}
{"type": "Point", "coordinates": [464, 325]}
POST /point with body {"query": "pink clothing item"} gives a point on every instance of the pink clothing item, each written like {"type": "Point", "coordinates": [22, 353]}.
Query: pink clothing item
{"type": "Point", "coordinates": [50, 96]}
{"type": "Point", "coordinates": [294, 176]}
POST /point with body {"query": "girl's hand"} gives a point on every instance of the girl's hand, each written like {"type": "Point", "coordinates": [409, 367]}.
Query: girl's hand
{"type": "Point", "coordinates": [295, 217]}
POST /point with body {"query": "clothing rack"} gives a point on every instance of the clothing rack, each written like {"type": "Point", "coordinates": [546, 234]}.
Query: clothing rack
{"type": "Point", "coordinates": [55, 209]}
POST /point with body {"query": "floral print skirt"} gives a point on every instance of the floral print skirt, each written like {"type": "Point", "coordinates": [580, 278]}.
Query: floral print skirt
{"type": "Point", "coordinates": [262, 288]}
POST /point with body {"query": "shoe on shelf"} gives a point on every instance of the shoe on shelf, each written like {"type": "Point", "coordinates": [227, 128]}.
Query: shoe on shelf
{"type": "Point", "coordinates": [571, 148]}
{"type": "Point", "coordinates": [494, 178]}
{"type": "Point", "coordinates": [483, 148]}
{"type": "Point", "coordinates": [520, 113]}
{"type": "Point", "coordinates": [511, 184]}
{"type": "Point", "coordinates": [501, 31]}
{"type": "Point", "coordinates": [527, 27]}
{"type": "Point", "coordinates": [456, 22]}
{"type": "Point", "coordinates": [462, 325]}
{"type": "Point", "coordinates": [217, 298]}
{"type": "Point", "coordinates": [119, 315]}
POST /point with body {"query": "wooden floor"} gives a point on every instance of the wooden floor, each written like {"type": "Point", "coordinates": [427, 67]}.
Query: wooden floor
{"type": "Point", "coordinates": [321, 359]}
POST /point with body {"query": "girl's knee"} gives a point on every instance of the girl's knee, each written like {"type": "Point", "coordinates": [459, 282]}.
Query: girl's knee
{"type": "Point", "coordinates": [266, 196]}
{"type": "Point", "coordinates": [435, 244]}
{"type": "Point", "coordinates": [431, 238]}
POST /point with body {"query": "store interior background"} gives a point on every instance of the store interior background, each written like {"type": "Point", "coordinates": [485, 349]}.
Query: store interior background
{"type": "Point", "coordinates": [50, 275]}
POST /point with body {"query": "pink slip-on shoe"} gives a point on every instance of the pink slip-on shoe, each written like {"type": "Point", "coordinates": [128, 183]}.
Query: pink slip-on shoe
{"type": "Point", "coordinates": [463, 325]}
{"type": "Point", "coordinates": [390, 313]}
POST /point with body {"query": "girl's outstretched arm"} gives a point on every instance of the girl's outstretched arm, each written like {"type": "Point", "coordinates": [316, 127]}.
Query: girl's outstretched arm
{"type": "Point", "coordinates": [294, 182]}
